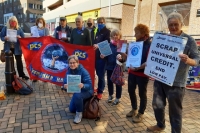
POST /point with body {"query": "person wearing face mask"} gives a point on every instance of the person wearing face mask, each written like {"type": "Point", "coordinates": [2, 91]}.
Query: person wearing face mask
{"type": "Point", "coordinates": [102, 34]}
{"type": "Point", "coordinates": [42, 30]}
{"type": "Point", "coordinates": [111, 61]}
{"type": "Point", "coordinates": [92, 29]}
{"type": "Point", "coordinates": [12, 24]}
{"type": "Point", "coordinates": [63, 31]}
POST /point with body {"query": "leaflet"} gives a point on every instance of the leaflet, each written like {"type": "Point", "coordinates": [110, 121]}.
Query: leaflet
{"type": "Point", "coordinates": [73, 81]}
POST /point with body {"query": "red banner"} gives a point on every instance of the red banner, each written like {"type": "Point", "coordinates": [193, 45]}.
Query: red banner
{"type": "Point", "coordinates": [46, 58]}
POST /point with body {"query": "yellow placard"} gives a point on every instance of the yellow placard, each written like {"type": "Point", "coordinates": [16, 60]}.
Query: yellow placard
{"type": "Point", "coordinates": [91, 14]}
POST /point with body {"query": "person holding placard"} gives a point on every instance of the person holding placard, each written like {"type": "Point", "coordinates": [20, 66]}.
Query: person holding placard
{"type": "Point", "coordinates": [77, 101]}
{"type": "Point", "coordinates": [136, 76]}
{"type": "Point", "coordinates": [41, 30]}
{"type": "Point", "coordinates": [63, 31]}
{"type": "Point", "coordinates": [102, 34]}
{"type": "Point", "coordinates": [14, 46]}
{"type": "Point", "coordinates": [175, 93]}
{"type": "Point", "coordinates": [41, 27]}
{"type": "Point", "coordinates": [111, 61]}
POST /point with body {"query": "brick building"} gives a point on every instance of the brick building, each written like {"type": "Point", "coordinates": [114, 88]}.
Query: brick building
{"type": "Point", "coordinates": [26, 12]}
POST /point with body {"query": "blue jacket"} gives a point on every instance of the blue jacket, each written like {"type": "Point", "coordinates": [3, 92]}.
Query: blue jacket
{"type": "Point", "coordinates": [102, 35]}
{"type": "Point", "coordinates": [111, 59]}
{"type": "Point", "coordinates": [18, 50]}
{"type": "Point", "coordinates": [85, 78]}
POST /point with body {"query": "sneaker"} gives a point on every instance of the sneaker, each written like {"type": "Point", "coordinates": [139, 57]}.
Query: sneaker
{"type": "Point", "coordinates": [25, 77]}
{"type": "Point", "coordinates": [138, 118]}
{"type": "Point", "coordinates": [116, 102]}
{"type": "Point", "coordinates": [155, 129]}
{"type": "Point", "coordinates": [110, 98]}
{"type": "Point", "coordinates": [132, 113]}
{"type": "Point", "coordinates": [78, 117]}
{"type": "Point", "coordinates": [99, 96]}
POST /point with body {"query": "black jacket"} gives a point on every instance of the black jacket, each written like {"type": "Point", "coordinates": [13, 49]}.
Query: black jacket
{"type": "Point", "coordinates": [102, 35]}
{"type": "Point", "coordinates": [67, 30]}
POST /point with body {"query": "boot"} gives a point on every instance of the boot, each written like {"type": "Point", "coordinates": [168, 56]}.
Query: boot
{"type": "Point", "coordinates": [132, 113]}
{"type": "Point", "coordinates": [155, 129]}
{"type": "Point", "coordinates": [138, 118]}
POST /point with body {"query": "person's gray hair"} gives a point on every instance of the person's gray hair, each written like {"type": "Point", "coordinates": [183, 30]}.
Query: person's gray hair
{"type": "Point", "coordinates": [79, 17]}
{"type": "Point", "coordinates": [175, 15]}
{"type": "Point", "coordinates": [73, 57]}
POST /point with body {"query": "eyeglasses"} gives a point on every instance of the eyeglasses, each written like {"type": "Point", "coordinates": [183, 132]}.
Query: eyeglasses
{"type": "Point", "coordinates": [72, 63]}
{"type": "Point", "coordinates": [173, 25]}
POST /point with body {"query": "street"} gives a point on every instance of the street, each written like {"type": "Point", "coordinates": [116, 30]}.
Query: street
{"type": "Point", "coordinates": [46, 110]}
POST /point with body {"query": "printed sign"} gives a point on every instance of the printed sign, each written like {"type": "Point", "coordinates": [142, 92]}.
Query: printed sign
{"type": "Point", "coordinates": [134, 54]}
{"type": "Point", "coordinates": [163, 59]}
{"type": "Point", "coordinates": [72, 83]}
{"type": "Point", "coordinates": [104, 48]}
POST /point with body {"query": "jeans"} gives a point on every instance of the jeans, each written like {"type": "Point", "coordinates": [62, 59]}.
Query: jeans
{"type": "Point", "coordinates": [142, 82]}
{"type": "Point", "coordinates": [19, 63]}
{"type": "Point", "coordinates": [77, 101]}
{"type": "Point", "coordinates": [100, 71]}
{"type": "Point", "coordinates": [111, 87]}
{"type": "Point", "coordinates": [174, 95]}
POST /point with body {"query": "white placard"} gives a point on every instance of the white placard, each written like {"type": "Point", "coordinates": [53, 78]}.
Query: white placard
{"type": "Point", "coordinates": [63, 35]}
{"type": "Point", "coordinates": [12, 35]}
{"type": "Point", "coordinates": [34, 31]}
{"type": "Point", "coordinates": [134, 54]}
{"type": "Point", "coordinates": [163, 59]}
{"type": "Point", "coordinates": [123, 49]}
{"type": "Point", "coordinates": [104, 48]}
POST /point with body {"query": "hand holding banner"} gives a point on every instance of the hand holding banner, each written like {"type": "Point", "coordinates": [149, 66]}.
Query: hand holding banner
{"type": "Point", "coordinates": [163, 59]}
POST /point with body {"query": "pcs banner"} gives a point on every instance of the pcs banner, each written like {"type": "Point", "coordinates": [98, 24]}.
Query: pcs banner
{"type": "Point", "coordinates": [46, 58]}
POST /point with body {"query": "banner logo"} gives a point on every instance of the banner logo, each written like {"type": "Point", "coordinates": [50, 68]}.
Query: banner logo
{"type": "Point", "coordinates": [35, 46]}
{"type": "Point", "coordinates": [82, 55]}
{"type": "Point", "coordinates": [54, 58]}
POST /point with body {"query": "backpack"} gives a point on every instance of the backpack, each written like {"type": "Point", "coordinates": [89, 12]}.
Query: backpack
{"type": "Point", "coordinates": [21, 87]}
{"type": "Point", "coordinates": [92, 109]}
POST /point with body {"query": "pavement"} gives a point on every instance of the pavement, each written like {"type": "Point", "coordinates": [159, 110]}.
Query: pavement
{"type": "Point", "coordinates": [46, 111]}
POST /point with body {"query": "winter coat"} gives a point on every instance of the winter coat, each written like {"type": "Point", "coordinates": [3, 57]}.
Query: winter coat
{"type": "Point", "coordinates": [85, 78]}
{"type": "Point", "coordinates": [7, 45]}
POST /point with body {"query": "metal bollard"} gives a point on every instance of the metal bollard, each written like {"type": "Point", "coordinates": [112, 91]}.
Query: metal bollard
{"type": "Point", "coordinates": [9, 72]}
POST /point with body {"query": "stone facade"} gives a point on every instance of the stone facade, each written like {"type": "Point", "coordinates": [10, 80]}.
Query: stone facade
{"type": "Point", "coordinates": [125, 13]}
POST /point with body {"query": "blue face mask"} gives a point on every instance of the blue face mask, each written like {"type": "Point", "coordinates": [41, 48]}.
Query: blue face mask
{"type": "Point", "coordinates": [101, 26]}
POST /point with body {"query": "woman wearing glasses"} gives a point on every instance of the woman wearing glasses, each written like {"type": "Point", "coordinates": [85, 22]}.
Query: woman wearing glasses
{"type": "Point", "coordinates": [76, 104]}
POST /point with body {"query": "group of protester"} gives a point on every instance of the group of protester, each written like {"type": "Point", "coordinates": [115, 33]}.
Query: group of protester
{"type": "Point", "coordinates": [91, 36]}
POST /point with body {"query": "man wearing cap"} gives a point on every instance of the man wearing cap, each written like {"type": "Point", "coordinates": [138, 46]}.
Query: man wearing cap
{"type": "Point", "coordinates": [62, 32]}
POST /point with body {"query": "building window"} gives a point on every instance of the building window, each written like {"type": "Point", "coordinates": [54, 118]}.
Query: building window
{"type": "Point", "coordinates": [31, 15]}
{"type": "Point", "coordinates": [30, 5]}
{"type": "Point", "coordinates": [41, 7]}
